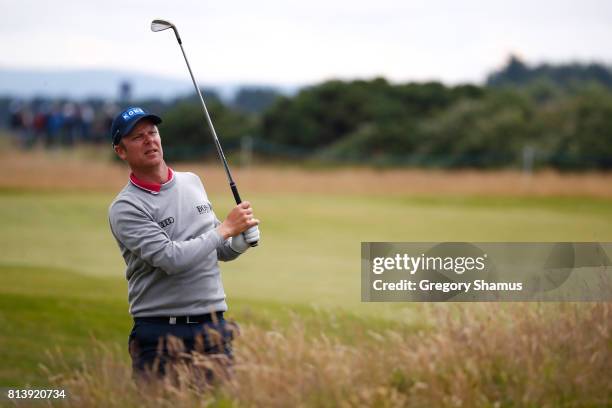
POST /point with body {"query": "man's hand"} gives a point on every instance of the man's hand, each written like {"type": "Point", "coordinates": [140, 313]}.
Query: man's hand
{"type": "Point", "coordinates": [238, 220]}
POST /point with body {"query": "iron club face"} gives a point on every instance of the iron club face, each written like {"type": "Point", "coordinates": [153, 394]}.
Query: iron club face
{"type": "Point", "coordinates": [160, 25]}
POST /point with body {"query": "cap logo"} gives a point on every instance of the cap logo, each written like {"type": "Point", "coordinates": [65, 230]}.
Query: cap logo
{"type": "Point", "coordinates": [131, 112]}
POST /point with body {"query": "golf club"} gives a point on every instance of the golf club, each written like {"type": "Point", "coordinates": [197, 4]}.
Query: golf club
{"type": "Point", "coordinates": [161, 25]}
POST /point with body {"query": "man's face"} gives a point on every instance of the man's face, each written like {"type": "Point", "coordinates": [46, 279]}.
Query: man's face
{"type": "Point", "coordinates": [141, 148]}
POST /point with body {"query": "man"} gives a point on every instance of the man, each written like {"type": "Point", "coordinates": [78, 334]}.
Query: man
{"type": "Point", "coordinates": [171, 242]}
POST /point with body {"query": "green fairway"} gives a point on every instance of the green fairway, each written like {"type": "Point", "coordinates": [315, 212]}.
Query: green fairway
{"type": "Point", "coordinates": [310, 251]}
{"type": "Point", "coordinates": [63, 280]}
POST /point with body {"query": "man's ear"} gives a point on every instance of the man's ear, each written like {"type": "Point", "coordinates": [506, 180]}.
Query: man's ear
{"type": "Point", "coordinates": [120, 150]}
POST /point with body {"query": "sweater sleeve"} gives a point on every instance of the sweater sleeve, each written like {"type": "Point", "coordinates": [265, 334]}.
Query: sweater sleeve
{"type": "Point", "coordinates": [141, 235]}
{"type": "Point", "coordinates": [224, 251]}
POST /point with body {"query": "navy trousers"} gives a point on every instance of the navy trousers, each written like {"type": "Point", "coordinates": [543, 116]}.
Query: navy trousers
{"type": "Point", "coordinates": [153, 344]}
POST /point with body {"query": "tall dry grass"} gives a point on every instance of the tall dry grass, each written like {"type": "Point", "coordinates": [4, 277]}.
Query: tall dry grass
{"type": "Point", "coordinates": [88, 168]}
{"type": "Point", "coordinates": [480, 355]}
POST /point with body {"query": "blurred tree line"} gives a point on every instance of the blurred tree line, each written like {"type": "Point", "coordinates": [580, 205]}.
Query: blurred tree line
{"type": "Point", "coordinates": [531, 116]}
{"type": "Point", "coordinates": [551, 116]}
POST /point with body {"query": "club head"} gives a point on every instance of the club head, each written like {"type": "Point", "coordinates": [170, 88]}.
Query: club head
{"type": "Point", "coordinates": [160, 25]}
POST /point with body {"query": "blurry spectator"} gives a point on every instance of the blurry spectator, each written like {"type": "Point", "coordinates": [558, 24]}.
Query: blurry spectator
{"type": "Point", "coordinates": [54, 124]}
{"type": "Point", "coordinates": [27, 133]}
{"type": "Point", "coordinates": [21, 122]}
{"type": "Point", "coordinates": [69, 113]}
{"type": "Point", "coordinates": [16, 119]}
{"type": "Point", "coordinates": [110, 111]}
{"type": "Point", "coordinates": [87, 118]}
{"type": "Point", "coordinates": [40, 123]}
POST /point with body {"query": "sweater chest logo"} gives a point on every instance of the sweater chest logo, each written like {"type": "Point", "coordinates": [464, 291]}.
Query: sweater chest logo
{"type": "Point", "coordinates": [204, 208]}
{"type": "Point", "coordinates": [166, 222]}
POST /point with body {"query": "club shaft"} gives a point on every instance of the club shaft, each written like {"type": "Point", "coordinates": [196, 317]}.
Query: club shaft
{"type": "Point", "coordinates": [228, 173]}
{"type": "Point", "coordinates": [211, 127]}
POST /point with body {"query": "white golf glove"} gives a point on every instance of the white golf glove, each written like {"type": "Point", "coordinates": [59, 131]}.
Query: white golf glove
{"type": "Point", "coordinates": [251, 235]}
{"type": "Point", "coordinates": [241, 242]}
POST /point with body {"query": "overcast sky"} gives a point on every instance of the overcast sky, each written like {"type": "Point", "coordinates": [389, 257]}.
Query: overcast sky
{"type": "Point", "coordinates": [297, 42]}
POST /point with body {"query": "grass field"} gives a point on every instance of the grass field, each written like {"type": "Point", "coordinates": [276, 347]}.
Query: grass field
{"type": "Point", "coordinates": [63, 279]}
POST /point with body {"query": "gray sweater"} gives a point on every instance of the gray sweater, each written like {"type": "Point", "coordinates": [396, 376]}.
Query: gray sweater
{"type": "Point", "coordinates": [171, 247]}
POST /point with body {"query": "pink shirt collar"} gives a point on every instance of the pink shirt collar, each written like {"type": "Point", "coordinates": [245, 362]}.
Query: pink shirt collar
{"type": "Point", "coordinates": [153, 188]}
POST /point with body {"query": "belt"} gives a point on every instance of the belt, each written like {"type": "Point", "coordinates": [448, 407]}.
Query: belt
{"type": "Point", "coordinates": [204, 318]}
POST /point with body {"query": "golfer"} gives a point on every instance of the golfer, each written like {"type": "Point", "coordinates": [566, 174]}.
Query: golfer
{"type": "Point", "coordinates": [171, 242]}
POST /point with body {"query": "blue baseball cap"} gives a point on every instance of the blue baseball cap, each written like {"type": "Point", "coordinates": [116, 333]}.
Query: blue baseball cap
{"type": "Point", "coordinates": [125, 121]}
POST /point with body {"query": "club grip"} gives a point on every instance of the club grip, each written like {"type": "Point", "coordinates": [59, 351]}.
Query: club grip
{"type": "Point", "coordinates": [235, 192]}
